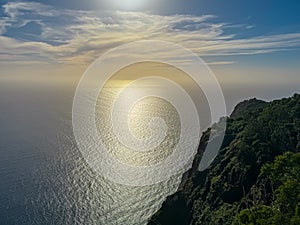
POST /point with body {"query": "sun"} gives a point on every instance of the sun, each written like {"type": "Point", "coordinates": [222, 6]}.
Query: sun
{"type": "Point", "coordinates": [130, 4]}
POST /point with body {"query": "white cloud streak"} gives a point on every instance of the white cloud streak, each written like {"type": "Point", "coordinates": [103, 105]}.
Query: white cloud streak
{"type": "Point", "coordinates": [78, 37]}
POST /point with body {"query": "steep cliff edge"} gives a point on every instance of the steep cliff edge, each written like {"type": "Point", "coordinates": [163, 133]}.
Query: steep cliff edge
{"type": "Point", "coordinates": [257, 132]}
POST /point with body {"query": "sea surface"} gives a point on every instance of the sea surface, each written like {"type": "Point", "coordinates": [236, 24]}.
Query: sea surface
{"type": "Point", "coordinates": [44, 178]}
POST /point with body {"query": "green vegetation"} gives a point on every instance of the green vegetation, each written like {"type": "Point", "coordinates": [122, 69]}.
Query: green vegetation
{"type": "Point", "coordinates": [254, 179]}
{"type": "Point", "coordinates": [284, 178]}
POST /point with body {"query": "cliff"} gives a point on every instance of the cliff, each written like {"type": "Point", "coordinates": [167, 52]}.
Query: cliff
{"type": "Point", "coordinates": [257, 134]}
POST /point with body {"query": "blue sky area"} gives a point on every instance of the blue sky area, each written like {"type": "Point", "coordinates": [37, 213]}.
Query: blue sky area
{"type": "Point", "coordinates": [235, 33]}
{"type": "Point", "coordinates": [259, 17]}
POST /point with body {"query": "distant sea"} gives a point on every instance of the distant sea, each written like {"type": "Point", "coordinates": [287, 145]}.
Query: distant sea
{"type": "Point", "coordinates": [43, 176]}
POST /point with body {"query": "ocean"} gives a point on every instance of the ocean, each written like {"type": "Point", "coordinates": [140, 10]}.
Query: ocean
{"type": "Point", "coordinates": [44, 177]}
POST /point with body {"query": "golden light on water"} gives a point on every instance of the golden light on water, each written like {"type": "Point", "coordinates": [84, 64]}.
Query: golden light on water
{"type": "Point", "coordinates": [146, 118]}
{"type": "Point", "coordinates": [140, 117]}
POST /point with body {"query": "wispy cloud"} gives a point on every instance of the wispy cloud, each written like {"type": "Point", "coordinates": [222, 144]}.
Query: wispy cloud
{"type": "Point", "coordinates": [69, 36]}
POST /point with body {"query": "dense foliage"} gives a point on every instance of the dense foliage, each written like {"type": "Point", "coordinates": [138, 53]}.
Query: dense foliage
{"type": "Point", "coordinates": [284, 178]}
{"type": "Point", "coordinates": [253, 180]}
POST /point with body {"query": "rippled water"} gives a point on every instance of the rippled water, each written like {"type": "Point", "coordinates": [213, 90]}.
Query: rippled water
{"type": "Point", "coordinates": [44, 178]}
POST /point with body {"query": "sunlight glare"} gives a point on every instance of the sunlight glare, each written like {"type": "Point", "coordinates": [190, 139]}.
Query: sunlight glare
{"type": "Point", "coordinates": [130, 4]}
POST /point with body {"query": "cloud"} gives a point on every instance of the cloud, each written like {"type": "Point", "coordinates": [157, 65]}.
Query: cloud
{"type": "Point", "coordinates": [16, 9]}
{"type": "Point", "coordinates": [78, 37]}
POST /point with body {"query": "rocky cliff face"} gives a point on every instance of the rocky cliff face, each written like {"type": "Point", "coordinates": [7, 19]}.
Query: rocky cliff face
{"type": "Point", "coordinates": [256, 133]}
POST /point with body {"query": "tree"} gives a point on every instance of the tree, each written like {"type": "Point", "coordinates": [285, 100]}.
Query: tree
{"type": "Point", "coordinates": [284, 176]}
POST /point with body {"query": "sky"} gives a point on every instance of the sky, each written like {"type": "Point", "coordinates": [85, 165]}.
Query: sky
{"type": "Point", "coordinates": [247, 44]}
